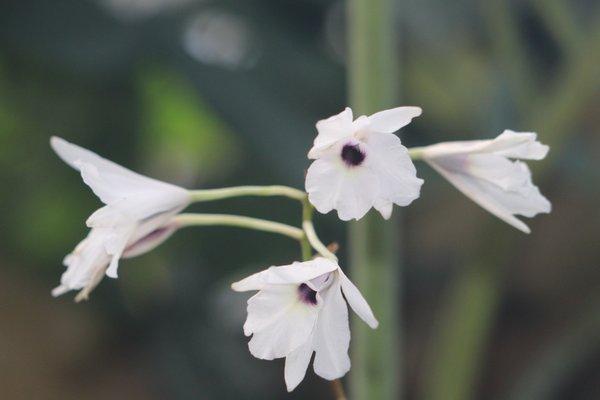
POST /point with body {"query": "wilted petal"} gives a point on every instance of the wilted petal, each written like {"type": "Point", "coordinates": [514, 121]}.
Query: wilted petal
{"type": "Point", "coordinates": [389, 121]}
{"type": "Point", "coordinates": [332, 335]}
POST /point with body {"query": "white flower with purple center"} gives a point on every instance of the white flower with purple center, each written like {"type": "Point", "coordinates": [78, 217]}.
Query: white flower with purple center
{"type": "Point", "coordinates": [137, 217]}
{"type": "Point", "coordinates": [483, 171]}
{"type": "Point", "coordinates": [361, 164]}
{"type": "Point", "coordinates": [299, 309]}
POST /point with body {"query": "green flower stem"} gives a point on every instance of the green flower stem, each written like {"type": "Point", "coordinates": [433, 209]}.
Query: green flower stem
{"type": "Point", "coordinates": [239, 221]}
{"type": "Point", "coordinates": [307, 213]}
{"type": "Point", "coordinates": [239, 191]}
{"type": "Point", "coordinates": [311, 235]}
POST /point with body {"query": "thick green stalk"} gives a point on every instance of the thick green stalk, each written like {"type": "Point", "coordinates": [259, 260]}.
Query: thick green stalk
{"type": "Point", "coordinates": [374, 243]}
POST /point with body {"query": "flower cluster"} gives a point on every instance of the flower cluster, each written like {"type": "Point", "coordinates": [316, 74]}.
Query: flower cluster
{"type": "Point", "coordinates": [358, 164]}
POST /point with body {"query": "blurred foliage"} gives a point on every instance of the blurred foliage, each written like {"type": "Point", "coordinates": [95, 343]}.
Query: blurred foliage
{"type": "Point", "coordinates": [215, 93]}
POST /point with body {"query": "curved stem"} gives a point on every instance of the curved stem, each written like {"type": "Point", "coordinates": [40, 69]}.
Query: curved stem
{"type": "Point", "coordinates": [239, 221]}
{"type": "Point", "coordinates": [239, 191]}
{"type": "Point", "coordinates": [311, 235]}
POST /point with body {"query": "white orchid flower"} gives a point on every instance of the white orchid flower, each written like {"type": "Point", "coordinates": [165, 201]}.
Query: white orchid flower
{"type": "Point", "coordinates": [298, 310]}
{"type": "Point", "coordinates": [361, 164]}
{"type": "Point", "coordinates": [136, 218]}
{"type": "Point", "coordinates": [483, 171]}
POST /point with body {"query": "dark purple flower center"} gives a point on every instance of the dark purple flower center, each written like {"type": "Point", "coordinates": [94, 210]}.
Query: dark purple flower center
{"type": "Point", "coordinates": [307, 295]}
{"type": "Point", "coordinates": [352, 155]}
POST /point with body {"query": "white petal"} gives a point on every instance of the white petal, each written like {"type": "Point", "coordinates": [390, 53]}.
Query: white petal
{"type": "Point", "coordinates": [331, 130]}
{"type": "Point", "coordinates": [389, 121]}
{"type": "Point", "coordinates": [384, 207]}
{"type": "Point", "coordinates": [115, 245]}
{"type": "Point", "coordinates": [510, 144]}
{"type": "Point", "coordinates": [389, 160]}
{"type": "Point", "coordinates": [357, 301]}
{"type": "Point", "coordinates": [296, 273]}
{"type": "Point", "coordinates": [278, 321]}
{"type": "Point", "coordinates": [150, 241]}
{"type": "Point", "coordinates": [332, 335]}
{"type": "Point", "coordinates": [83, 264]}
{"type": "Point", "coordinates": [527, 201]}
{"type": "Point", "coordinates": [350, 191]}
{"type": "Point", "coordinates": [109, 181]}
{"type": "Point", "coordinates": [296, 364]}
{"type": "Point", "coordinates": [523, 145]}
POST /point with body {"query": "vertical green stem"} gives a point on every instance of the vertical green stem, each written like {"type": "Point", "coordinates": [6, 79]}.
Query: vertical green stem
{"type": "Point", "coordinates": [373, 242]}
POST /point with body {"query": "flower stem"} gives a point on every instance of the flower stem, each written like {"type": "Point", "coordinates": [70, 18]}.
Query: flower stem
{"type": "Point", "coordinates": [338, 390]}
{"type": "Point", "coordinates": [374, 243]}
{"type": "Point", "coordinates": [311, 235]}
{"type": "Point", "coordinates": [239, 221]}
{"type": "Point", "coordinates": [239, 191]}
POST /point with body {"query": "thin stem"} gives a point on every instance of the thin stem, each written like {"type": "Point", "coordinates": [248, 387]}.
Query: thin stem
{"type": "Point", "coordinates": [338, 390]}
{"type": "Point", "coordinates": [311, 235]}
{"type": "Point", "coordinates": [239, 191]}
{"type": "Point", "coordinates": [239, 221]}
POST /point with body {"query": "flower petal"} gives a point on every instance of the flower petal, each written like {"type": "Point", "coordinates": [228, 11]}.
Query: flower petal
{"type": "Point", "coordinates": [296, 364]}
{"type": "Point", "coordinates": [527, 200]}
{"type": "Point", "coordinates": [332, 335]}
{"type": "Point", "coordinates": [109, 181]}
{"type": "Point", "coordinates": [296, 273]}
{"type": "Point", "coordinates": [278, 321]}
{"type": "Point", "coordinates": [331, 130]}
{"type": "Point", "coordinates": [390, 161]}
{"type": "Point", "coordinates": [389, 121]}
{"type": "Point", "coordinates": [522, 145]}
{"type": "Point", "coordinates": [357, 301]}
{"type": "Point", "coordinates": [350, 191]}
{"type": "Point", "coordinates": [150, 241]}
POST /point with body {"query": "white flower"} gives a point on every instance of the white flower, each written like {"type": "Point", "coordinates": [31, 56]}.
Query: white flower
{"type": "Point", "coordinates": [298, 310]}
{"type": "Point", "coordinates": [483, 171]}
{"type": "Point", "coordinates": [136, 218]}
{"type": "Point", "coordinates": [361, 164]}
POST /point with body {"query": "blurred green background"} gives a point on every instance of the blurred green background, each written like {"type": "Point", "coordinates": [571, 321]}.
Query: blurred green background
{"type": "Point", "coordinates": [217, 93]}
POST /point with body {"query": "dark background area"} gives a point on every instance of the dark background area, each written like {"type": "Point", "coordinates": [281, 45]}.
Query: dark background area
{"type": "Point", "coordinates": [219, 93]}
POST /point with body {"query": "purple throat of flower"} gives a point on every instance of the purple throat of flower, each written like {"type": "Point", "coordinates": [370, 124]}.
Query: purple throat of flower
{"type": "Point", "coordinates": [307, 295]}
{"type": "Point", "coordinates": [352, 155]}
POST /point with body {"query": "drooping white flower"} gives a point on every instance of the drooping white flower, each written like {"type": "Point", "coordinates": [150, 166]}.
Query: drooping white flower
{"type": "Point", "coordinates": [361, 164]}
{"type": "Point", "coordinates": [483, 171]}
{"type": "Point", "coordinates": [136, 218]}
{"type": "Point", "coordinates": [299, 309]}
